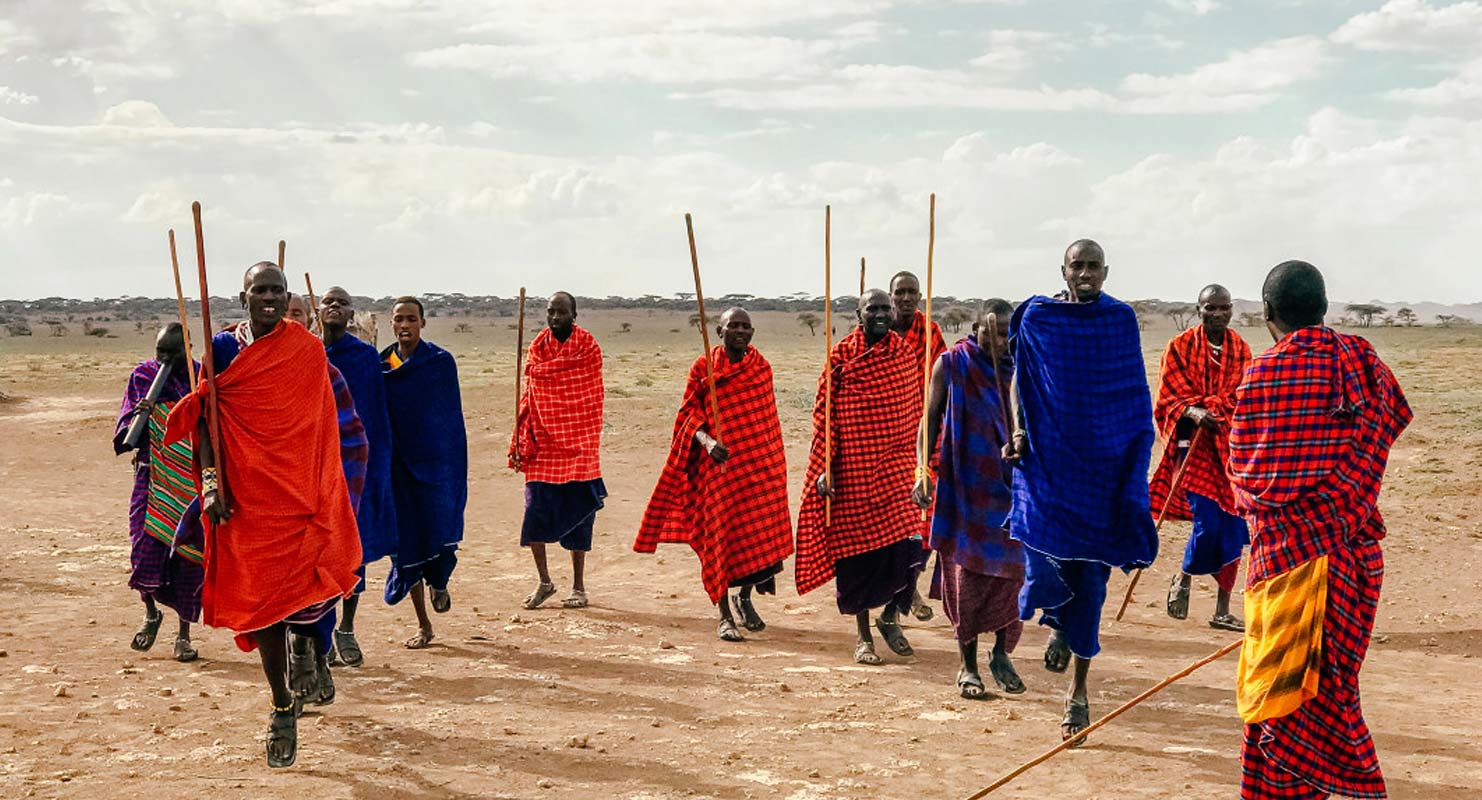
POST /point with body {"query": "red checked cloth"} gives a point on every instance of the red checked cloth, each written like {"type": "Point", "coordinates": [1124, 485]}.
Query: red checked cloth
{"type": "Point", "coordinates": [875, 414]}
{"type": "Point", "coordinates": [1189, 375]}
{"type": "Point", "coordinates": [735, 518]}
{"type": "Point", "coordinates": [558, 428]}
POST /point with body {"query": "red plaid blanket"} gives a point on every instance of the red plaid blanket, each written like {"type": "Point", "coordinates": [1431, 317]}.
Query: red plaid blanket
{"type": "Point", "coordinates": [1191, 374]}
{"type": "Point", "coordinates": [735, 518]}
{"type": "Point", "coordinates": [1309, 441]}
{"type": "Point", "coordinates": [558, 428]}
{"type": "Point", "coordinates": [876, 412]}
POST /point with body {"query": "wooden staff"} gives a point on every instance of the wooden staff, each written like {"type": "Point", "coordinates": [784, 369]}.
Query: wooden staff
{"type": "Point", "coordinates": [689, 227]}
{"type": "Point", "coordinates": [282, 247]}
{"type": "Point", "coordinates": [519, 359]}
{"type": "Point", "coordinates": [190, 366]}
{"type": "Point", "coordinates": [828, 361]}
{"type": "Point", "coordinates": [922, 470]}
{"type": "Point", "coordinates": [1127, 706]}
{"type": "Point", "coordinates": [1173, 487]}
{"type": "Point", "coordinates": [208, 364]}
{"type": "Point", "coordinates": [313, 304]}
{"type": "Point", "coordinates": [861, 276]}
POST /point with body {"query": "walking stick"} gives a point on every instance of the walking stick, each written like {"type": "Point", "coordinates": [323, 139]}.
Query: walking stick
{"type": "Point", "coordinates": [861, 276]}
{"type": "Point", "coordinates": [313, 304]}
{"type": "Point", "coordinates": [190, 366]}
{"type": "Point", "coordinates": [922, 468]}
{"type": "Point", "coordinates": [208, 363]}
{"type": "Point", "coordinates": [1125, 707]}
{"type": "Point", "coordinates": [828, 361]}
{"type": "Point", "coordinates": [689, 227]}
{"type": "Point", "coordinates": [282, 248]}
{"type": "Point", "coordinates": [1173, 487]}
{"type": "Point", "coordinates": [519, 361]}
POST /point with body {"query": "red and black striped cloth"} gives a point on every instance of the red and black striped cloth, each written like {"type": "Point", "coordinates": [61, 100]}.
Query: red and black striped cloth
{"type": "Point", "coordinates": [735, 517]}
{"type": "Point", "coordinates": [1310, 437]}
{"type": "Point", "coordinates": [558, 427]}
{"type": "Point", "coordinates": [876, 411]}
{"type": "Point", "coordinates": [1192, 374]}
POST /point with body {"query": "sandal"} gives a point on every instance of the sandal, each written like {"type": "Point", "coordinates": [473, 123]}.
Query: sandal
{"type": "Point", "coordinates": [347, 649]}
{"type": "Point", "coordinates": [303, 674]}
{"type": "Point", "coordinates": [325, 680]}
{"type": "Point", "coordinates": [728, 632]}
{"type": "Point", "coordinates": [922, 612]}
{"type": "Point", "coordinates": [1005, 675]}
{"type": "Point", "coordinates": [441, 600]}
{"type": "Point", "coordinates": [864, 653]}
{"type": "Point", "coordinates": [1227, 622]}
{"type": "Point", "coordinates": [184, 653]}
{"type": "Point", "coordinates": [420, 641]}
{"type": "Point", "coordinates": [1057, 653]}
{"type": "Point", "coordinates": [1077, 718]}
{"type": "Point", "coordinates": [970, 685]}
{"type": "Point", "coordinates": [144, 639]}
{"type": "Point", "coordinates": [578, 599]}
{"type": "Point", "coordinates": [750, 620]}
{"type": "Point", "coordinates": [1178, 598]}
{"type": "Point", "coordinates": [282, 739]}
{"type": "Point", "coordinates": [894, 637]}
{"type": "Point", "coordinates": [542, 593]}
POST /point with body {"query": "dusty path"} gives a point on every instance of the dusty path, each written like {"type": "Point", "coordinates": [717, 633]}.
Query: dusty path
{"type": "Point", "coordinates": [635, 697]}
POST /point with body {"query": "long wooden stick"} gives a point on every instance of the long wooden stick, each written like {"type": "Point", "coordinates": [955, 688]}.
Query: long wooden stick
{"type": "Point", "coordinates": [313, 304]}
{"type": "Point", "coordinates": [689, 227]}
{"type": "Point", "coordinates": [1125, 707]}
{"type": "Point", "coordinates": [828, 360]}
{"type": "Point", "coordinates": [190, 365]}
{"type": "Point", "coordinates": [519, 358]}
{"type": "Point", "coordinates": [861, 276]}
{"type": "Point", "coordinates": [282, 253]}
{"type": "Point", "coordinates": [922, 467]}
{"type": "Point", "coordinates": [208, 363]}
{"type": "Point", "coordinates": [1173, 487]}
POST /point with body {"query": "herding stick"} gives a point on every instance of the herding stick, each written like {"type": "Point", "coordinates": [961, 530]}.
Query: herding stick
{"type": "Point", "coordinates": [689, 227]}
{"type": "Point", "coordinates": [190, 366]}
{"type": "Point", "coordinates": [1173, 487]}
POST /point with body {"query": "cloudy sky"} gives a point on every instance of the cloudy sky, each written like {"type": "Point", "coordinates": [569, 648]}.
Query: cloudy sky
{"type": "Point", "coordinates": [477, 145]}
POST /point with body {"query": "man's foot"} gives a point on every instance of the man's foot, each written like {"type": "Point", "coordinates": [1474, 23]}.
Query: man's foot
{"type": "Point", "coordinates": [750, 620]}
{"type": "Point", "coordinates": [421, 640]}
{"type": "Point", "coordinates": [1178, 598]}
{"type": "Point", "coordinates": [1057, 654]}
{"type": "Point", "coordinates": [1077, 718]}
{"type": "Point", "coordinates": [282, 739]}
{"type": "Point", "coordinates": [577, 599]}
{"type": "Point", "coordinates": [1004, 674]}
{"type": "Point", "coordinates": [920, 610]}
{"type": "Point", "coordinates": [970, 685]}
{"type": "Point", "coordinates": [894, 637]}
{"type": "Point", "coordinates": [1227, 622]}
{"type": "Point", "coordinates": [303, 675]}
{"type": "Point", "coordinates": [542, 593]}
{"type": "Point", "coordinates": [325, 694]}
{"type": "Point", "coordinates": [347, 649]}
{"type": "Point", "coordinates": [184, 653]}
{"type": "Point", "coordinates": [144, 639]}
{"type": "Point", "coordinates": [864, 653]}
{"type": "Point", "coordinates": [728, 632]}
{"type": "Point", "coordinates": [441, 601]}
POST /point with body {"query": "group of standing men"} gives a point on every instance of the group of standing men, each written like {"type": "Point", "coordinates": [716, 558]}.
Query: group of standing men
{"type": "Point", "coordinates": [1036, 441]}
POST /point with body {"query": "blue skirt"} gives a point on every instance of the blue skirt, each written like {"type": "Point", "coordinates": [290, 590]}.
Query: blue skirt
{"type": "Point", "coordinates": [562, 513]}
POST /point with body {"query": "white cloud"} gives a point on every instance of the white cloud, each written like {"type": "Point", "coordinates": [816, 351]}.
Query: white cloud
{"type": "Point", "coordinates": [1244, 80]}
{"type": "Point", "coordinates": [31, 208]}
{"type": "Point", "coordinates": [14, 97]}
{"type": "Point", "coordinates": [1016, 50]}
{"type": "Point", "coordinates": [1463, 87]}
{"type": "Point", "coordinates": [1196, 7]}
{"type": "Point", "coordinates": [136, 114]}
{"type": "Point", "coordinates": [865, 86]}
{"type": "Point", "coordinates": [1415, 25]}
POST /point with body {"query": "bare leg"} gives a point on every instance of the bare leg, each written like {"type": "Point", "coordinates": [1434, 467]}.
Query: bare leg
{"type": "Point", "coordinates": [1002, 668]}
{"type": "Point", "coordinates": [969, 653]}
{"type": "Point", "coordinates": [272, 649]}
{"type": "Point", "coordinates": [424, 623]}
{"type": "Point", "coordinates": [862, 622]}
{"type": "Point", "coordinates": [969, 682]}
{"type": "Point", "coordinates": [728, 630]}
{"type": "Point", "coordinates": [537, 550]}
{"type": "Point", "coordinates": [1222, 603]}
{"type": "Point", "coordinates": [1077, 705]}
{"type": "Point", "coordinates": [149, 607]}
{"type": "Point", "coordinates": [578, 570]}
{"type": "Point", "coordinates": [347, 616]}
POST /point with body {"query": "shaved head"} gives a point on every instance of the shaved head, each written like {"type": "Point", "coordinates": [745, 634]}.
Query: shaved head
{"type": "Point", "coordinates": [734, 312]}
{"type": "Point", "coordinates": [338, 293]}
{"type": "Point", "coordinates": [1295, 296]}
{"type": "Point", "coordinates": [1080, 249]}
{"type": "Point", "coordinates": [872, 297]}
{"type": "Point", "coordinates": [1212, 291]}
{"type": "Point", "coordinates": [262, 266]}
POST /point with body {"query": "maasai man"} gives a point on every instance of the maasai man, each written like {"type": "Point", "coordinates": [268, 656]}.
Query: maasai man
{"type": "Point", "coordinates": [727, 499]}
{"type": "Point", "coordinates": [1196, 392]}
{"type": "Point", "coordinates": [980, 568]}
{"type": "Point", "coordinates": [299, 311]}
{"type": "Point", "coordinates": [1082, 440]}
{"type": "Point", "coordinates": [558, 433]}
{"type": "Point", "coordinates": [1310, 437]}
{"type": "Point", "coordinates": [375, 516]}
{"type": "Point", "coordinates": [164, 568]}
{"type": "Point", "coordinates": [429, 465]}
{"type": "Point", "coordinates": [911, 324]}
{"type": "Point", "coordinates": [870, 545]}
{"type": "Point", "coordinates": [281, 544]}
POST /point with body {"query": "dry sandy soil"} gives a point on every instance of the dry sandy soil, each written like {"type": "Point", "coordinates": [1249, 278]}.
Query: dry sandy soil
{"type": "Point", "coordinates": [635, 697]}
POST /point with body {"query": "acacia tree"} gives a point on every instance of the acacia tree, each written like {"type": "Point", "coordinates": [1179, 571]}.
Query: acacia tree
{"type": "Point", "coordinates": [1182, 314]}
{"type": "Point", "coordinates": [1365, 313]}
{"type": "Point", "coordinates": [1406, 317]}
{"type": "Point", "coordinates": [810, 321]}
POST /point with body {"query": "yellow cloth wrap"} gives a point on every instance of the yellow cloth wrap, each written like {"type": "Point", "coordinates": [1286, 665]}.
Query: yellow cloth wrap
{"type": "Point", "coordinates": [1282, 652]}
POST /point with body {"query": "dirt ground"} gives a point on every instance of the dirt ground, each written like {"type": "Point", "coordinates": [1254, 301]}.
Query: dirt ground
{"type": "Point", "coordinates": [635, 697]}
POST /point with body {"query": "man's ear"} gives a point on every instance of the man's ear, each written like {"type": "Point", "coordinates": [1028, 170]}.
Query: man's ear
{"type": "Point", "coordinates": [242, 298]}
